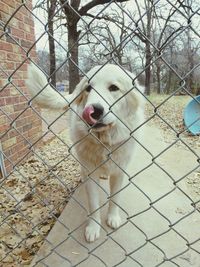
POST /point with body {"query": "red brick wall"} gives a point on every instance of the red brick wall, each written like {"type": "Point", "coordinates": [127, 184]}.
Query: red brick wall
{"type": "Point", "coordinates": [19, 125]}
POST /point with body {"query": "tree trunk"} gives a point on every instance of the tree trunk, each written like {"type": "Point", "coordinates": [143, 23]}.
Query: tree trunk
{"type": "Point", "coordinates": [147, 68]}
{"type": "Point", "coordinates": [158, 78]}
{"type": "Point", "coordinates": [73, 36]}
{"type": "Point", "coordinates": [168, 85]}
{"type": "Point", "coordinates": [148, 56]}
{"type": "Point", "coordinates": [190, 79]}
{"type": "Point", "coordinates": [169, 82]}
{"type": "Point", "coordinates": [52, 55]}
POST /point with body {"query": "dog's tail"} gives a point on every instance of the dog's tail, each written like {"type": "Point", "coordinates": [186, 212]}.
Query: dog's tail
{"type": "Point", "coordinates": [42, 93]}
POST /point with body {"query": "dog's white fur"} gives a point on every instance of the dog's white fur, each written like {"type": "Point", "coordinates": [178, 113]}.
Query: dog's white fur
{"type": "Point", "coordinates": [105, 151]}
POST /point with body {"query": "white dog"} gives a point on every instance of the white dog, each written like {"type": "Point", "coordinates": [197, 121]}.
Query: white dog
{"type": "Point", "coordinates": [106, 107]}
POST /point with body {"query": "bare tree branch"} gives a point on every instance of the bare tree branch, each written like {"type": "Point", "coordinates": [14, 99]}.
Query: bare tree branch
{"type": "Point", "coordinates": [119, 24]}
{"type": "Point", "coordinates": [83, 11]}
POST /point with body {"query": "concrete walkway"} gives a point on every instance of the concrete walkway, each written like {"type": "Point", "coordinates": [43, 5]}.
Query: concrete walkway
{"type": "Point", "coordinates": [159, 226]}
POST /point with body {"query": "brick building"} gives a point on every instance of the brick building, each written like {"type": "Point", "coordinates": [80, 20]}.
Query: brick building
{"type": "Point", "coordinates": [20, 127]}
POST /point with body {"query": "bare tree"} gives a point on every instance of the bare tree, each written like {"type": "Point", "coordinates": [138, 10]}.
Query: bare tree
{"type": "Point", "coordinates": [164, 31]}
{"type": "Point", "coordinates": [43, 60]}
{"type": "Point", "coordinates": [170, 57]}
{"type": "Point", "coordinates": [153, 33]}
{"type": "Point", "coordinates": [113, 38]}
{"type": "Point", "coordinates": [150, 28]}
{"type": "Point", "coordinates": [148, 55]}
{"type": "Point", "coordinates": [51, 8]}
{"type": "Point", "coordinates": [74, 12]}
{"type": "Point", "coordinates": [144, 33]}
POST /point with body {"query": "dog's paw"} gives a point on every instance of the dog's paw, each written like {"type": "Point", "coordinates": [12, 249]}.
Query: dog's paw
{"type": "Point", "coordinates": [113, 220]}
{"type": "Point", "coordinates": [92, 232]}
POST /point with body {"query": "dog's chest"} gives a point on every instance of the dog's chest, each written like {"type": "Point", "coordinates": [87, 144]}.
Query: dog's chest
{"type": "Point", "coordinates": [92, 154]}
{"type": "Point", "coordinates": [103, 159]}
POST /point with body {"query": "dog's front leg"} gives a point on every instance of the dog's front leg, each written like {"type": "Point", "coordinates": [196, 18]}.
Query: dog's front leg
{"type": "Point", "coordinates": [113, 218]}
{"type": "Point", "coordinates": [92, 231]}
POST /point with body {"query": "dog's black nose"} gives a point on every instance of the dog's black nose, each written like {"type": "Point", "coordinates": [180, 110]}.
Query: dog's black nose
{"type": "Point", "coordinates": [98, 111]}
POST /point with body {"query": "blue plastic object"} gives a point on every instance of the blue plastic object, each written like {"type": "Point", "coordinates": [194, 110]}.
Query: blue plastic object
{"type": "Point", "coordinates": [61, 87]}
{"type": "Point", "coordinates": [192, 116]}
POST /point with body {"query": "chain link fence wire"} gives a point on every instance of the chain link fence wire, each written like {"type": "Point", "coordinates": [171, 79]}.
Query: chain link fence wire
{"type": "Point", "coordinates": [159, 41]}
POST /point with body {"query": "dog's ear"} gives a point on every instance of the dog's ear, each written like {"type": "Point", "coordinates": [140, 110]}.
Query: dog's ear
{"type": "Point", "coordinates": [135, 97]}
{"type": "Point", "coordinates": [79, 91]}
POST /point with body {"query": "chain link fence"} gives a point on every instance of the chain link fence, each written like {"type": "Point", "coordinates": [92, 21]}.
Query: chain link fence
{"type": "Point", "coordinates": [39, 171]}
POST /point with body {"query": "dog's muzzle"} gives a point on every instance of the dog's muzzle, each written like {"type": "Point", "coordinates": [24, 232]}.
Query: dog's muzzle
{"type": "Point", "coordinates": [92, 114]}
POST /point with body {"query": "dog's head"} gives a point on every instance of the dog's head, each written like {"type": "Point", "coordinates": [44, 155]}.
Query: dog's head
{"type": "Point", "coordinates": [107, 94]}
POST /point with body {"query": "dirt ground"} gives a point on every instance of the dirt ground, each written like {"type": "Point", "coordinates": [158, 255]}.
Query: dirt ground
{"type": "Point", "coordinates": [35, 194]}
{"type": "Point", "coordinates": [32, 198]}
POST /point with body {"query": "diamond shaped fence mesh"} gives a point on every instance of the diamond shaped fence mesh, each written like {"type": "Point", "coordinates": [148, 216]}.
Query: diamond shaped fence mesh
{"type": "Point", "coordinates": [44, 207]}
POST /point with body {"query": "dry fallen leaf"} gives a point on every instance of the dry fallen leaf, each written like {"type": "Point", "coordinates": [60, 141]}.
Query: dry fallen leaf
{"type": "Point", "coordinates": [33, 199]}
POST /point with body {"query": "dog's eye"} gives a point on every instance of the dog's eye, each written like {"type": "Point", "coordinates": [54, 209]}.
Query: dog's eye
{"type": "Point", "coordinates": [113, 88]}
{"type": "Point", "coordinates": [88, 88]}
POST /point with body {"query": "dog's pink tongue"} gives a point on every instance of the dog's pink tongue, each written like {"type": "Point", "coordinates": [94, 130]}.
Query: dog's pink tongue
{"type": "Point", "coordinates": [87, 112]}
